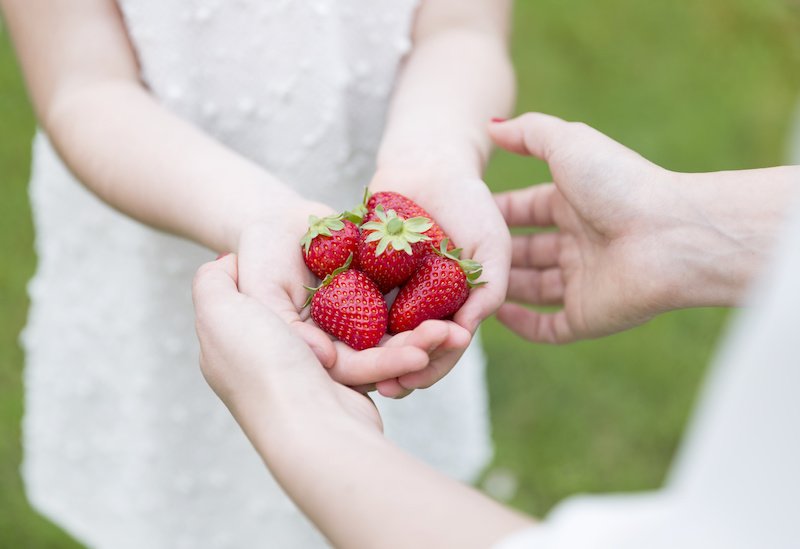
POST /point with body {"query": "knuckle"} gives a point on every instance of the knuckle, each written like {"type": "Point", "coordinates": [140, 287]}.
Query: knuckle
{"type": "Point", "coordinates": [529, 118]}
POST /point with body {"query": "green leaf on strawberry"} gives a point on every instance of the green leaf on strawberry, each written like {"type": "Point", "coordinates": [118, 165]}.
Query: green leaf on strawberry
{"type": "Point", "coordinates": [321, 226]}
{"type": "Point", "coordinates": [472, 269]}
{"type": "Point", "coordinates": [392, 230]}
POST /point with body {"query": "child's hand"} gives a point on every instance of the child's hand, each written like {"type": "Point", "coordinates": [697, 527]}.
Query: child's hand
{"type": "Point", "coordinates": [466, 211]}
{"type": "Point", "coordinates": [255, 363]}
{"type": "Point", "coordinates": [273, 272]}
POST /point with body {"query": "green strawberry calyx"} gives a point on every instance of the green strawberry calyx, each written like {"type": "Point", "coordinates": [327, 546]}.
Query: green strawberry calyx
{"type": "Point", "coordinates": [358, 213]}
{"type": "Point", "coordinates": [394, 230]}
{"type": "Point", "coordinates": [328, 279]}
{"type": "Point", "coordinates": [321, 226]}
{"type": "Point", "coordinates": [472, 269]}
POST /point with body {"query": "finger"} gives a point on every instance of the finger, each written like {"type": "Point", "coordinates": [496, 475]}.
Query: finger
{"type": "Point", "coordinates": [214, 285]}
{"type": "Point", "coordinates": [484, 300]}
{"type": "Point", "coordinates": [535, 326]}
{"type": "Point", "coordinates": [318, 340]}
{"type": "Point", "coordinates": [428, 336]}
{"type": "Point", "coordinates": [495, 256]}
{"type": "Point", "coordinates": [397, 355]}
{"type": "Point", "coordinates": [378, 363]}
{"type": "Point", "coordinates": [262, 276]}
{"type": "Point", "coordinates": [538, 251]}
{"type": "Point", "coordinates": [442, 361]}
{"type": "Point", "coordinates": [390, 388]}
{"type": "Point", "coordinates": [532, 134]}
{"type": "Point", "coordinates": [364, 389]}
{"type": "Point", "coordinates": [531, 206]}
{"type": "Point", "coordinates": [536, 287]}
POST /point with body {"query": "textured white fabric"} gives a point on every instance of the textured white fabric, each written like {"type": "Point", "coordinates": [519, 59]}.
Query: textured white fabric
{"type": "Point", "coordinates": [736, 482]}
{"type": "Point", "coordinates": [125, 445]}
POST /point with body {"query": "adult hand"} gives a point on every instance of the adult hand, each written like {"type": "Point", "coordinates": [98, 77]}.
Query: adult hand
{"type": "Point", "coordinates": [464, 208]}
{"type": "Point", "coordinates": [615, 216]}
{"type": "Point", "coordinates": [273, 272]}
{"type": "Point", "coordinates": [253, 360]}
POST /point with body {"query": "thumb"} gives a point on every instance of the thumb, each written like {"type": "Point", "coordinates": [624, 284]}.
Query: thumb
{"type": "Point", "coordinates": [215, 284]}
{"type": "Point", "coordinates": [531, 134]}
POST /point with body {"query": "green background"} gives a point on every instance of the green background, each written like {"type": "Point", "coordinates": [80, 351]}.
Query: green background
{"type": "Point", "coordinates": [693, 85]}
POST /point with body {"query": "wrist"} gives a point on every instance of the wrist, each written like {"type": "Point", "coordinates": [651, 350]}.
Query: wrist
{"type": "Point", "coordinates": [290, 220]}
{"type": "Point", "coordinates": [721, 233]}
{"type": "Point", "coordinates": [419, 165]}
{"type": "Point", "coordinates": [271, 417]}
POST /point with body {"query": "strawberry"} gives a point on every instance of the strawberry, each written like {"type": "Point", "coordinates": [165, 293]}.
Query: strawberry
{"type": "Point", "coordinates": [391, 247]}
{"type": "Point", "coordinates": [349, 306]}
{"type": "Point", "coordinates": [328, 243]}
{"type": "Point", "coordinates": [405, 207]}
{"type": "Point", "coordinates": [436, 291]}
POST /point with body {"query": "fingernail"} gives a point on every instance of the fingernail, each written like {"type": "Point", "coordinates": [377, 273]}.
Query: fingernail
{"type": "Point", "coordinates": [223, 254]}
{"type": "Point", "coordinates": [498, 120]}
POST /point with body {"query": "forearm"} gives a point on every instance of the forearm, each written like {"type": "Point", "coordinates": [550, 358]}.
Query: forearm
{"type": "Point", "coordinates": [362, 491]}
{"type": "Point", "coordinates": [732, 226]}
{"type": "Point", "coordinates": [82, 76]}
{"type": "Point", "coordinates": [155, 167]}
{"type": "Point", "coordinates": [456, 79]}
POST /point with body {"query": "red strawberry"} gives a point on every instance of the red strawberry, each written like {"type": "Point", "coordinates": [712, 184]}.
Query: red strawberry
{"type": "Point", "coordinates": [437, 290]}
{"type": "Point", "coordinates": [405, 207]}
{"type": "Point", "coordinates": [349, 306]}
{"type": "Point", "coordinates": [328, 243]}
{"type": "Point", "coordinates": [391, 247]}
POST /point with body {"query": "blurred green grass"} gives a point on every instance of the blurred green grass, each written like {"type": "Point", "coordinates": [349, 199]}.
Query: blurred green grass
{"type": "Point", "coordinates": [694, 86]}
{"type": "Point", "coordinates": [19, 525]}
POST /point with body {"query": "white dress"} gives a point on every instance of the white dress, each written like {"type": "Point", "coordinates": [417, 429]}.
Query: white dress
{"type": "Point", "coordinates": [125, 445]}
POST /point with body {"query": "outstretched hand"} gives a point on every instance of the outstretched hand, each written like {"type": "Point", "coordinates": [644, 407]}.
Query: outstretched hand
{"type": "Point", "coordinates": [253, 359]}
{"type": "Point", "coordinates": [272, 271]}
{"type": "Point", "coordinates": [464, 208]}
{"type": "Point", "coordinates": [612, 211]}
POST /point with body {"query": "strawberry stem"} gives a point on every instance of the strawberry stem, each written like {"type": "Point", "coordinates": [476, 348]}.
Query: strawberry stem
{"type": "Point", "coordinates": [392, 230]}
{"type": "Point", "coordinates": [471, 268]}
{"type": "Point", "coordinates": [323, 226]}
{"type": "Point", "coordinates": [394, 226]}
{"type": "Point", "coordinates": [328, 280]}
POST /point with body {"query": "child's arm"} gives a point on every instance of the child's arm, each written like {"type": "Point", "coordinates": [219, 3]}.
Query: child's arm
{"type": "Point", "coordinates": [633, 240]}
{"type": "Point", "coordinates": [146, 162]}
{"type": "Point", "coordinates": [435, 146]}
{"type": "Point", "coordinates": [83, 79]}
{"type": "Point", "coordinates": [322, 441]}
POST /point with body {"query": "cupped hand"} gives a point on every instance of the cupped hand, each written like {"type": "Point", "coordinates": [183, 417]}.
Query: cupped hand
{"type": "Point", "coordinates": [272, 271]}
{"type": "Point", "coordinates": [612, 212]}
{"type": "Point", "coordinates": [251, 357]}
{"type": "Point", "coordinates": [465, 209]}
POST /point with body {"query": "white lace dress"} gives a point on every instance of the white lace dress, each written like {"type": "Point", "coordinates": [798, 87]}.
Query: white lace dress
{"type": "Point", "coordinates": [125, 445]}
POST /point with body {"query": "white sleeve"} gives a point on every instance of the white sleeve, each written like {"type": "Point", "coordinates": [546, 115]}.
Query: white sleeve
{"type": "Point", "coordinates": [595, 522]}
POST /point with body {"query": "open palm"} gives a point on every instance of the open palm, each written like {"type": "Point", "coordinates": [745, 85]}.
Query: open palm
{"type": "Point", "coordinates": [245, 345]}
{"type": "Point", "coordinates": [271, 270]}
{"type": "Point", "coordinates": [464, 208]}
{"type": "Point", "coordinates": [609, 208]}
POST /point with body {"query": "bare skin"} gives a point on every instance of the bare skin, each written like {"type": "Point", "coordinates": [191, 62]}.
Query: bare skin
{"type": "Point", "coordinates": [631, 240]}
{"type": "Point", "coordinates": [628, 239]}
{"type": "Point", "coordinates": [83, 78]}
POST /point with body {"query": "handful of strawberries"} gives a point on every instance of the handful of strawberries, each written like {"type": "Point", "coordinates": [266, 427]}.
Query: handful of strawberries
{"type": "Point", "coordinates": [389, 241]}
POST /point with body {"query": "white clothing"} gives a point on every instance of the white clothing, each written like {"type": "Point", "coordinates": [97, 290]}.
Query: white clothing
{"type": "Point", "coordinates": [736, 482]}
{"type": "Point", "coordinates": [125, 445]}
